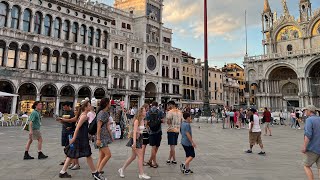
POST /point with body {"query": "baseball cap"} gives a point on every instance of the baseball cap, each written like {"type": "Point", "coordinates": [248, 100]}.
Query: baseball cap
{"type": "Point", "coordinates": [311, 108]}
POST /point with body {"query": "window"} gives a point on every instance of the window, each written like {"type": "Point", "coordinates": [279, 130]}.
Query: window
{"type": "Point", "coordinates": [88, 68]}
{"type": "Point", "coordinates": [82, 34]}
{"type": "Point", "coordinates": [98, 37]}
{"type": "Point", "coordinates": [163, 57]}
{"type": "Point", "coordinates": [209, 84]}
{"type": "Point", "coordinates": [115, 82]}
{"type": "Point", "coordinates": [174, 73]}
{"type": "Point", "coordinates": [220, 96]}
{"type": "Point", "coordinates": [11, 57]}
{"type": "Point", "coordinates": [121, 63]}
{"type": "Point", "coordinates": [115, 63]}
{"type": "Point", "coordinates": [105, 40]}
{"type": "Point", "coordinates": [121, 47]}
{"type": "Point", "coordinates": [116, 45]}
{"type": "Point", "coordinates": [167, 58]}
{"type": "Point", "coordinates": [132, 65]}
{"type": "Point", "coordinates": [47, 25]}
{"type": "Point", "coordinates": [95, 67]}
{"type": "Point", "coordinates": [24, 57]}
{"type": "Point", "coordinates": [37, 22]}
{"type": "Point", "coordinates": [121, 84]}
{"type": "Point", "coordinates": [138, 50]}
{"type": "Point", "coordinates": [132, 84]}
{"type": "Point", "coordinates": [167, 72]}
{"type": "Point", "coordinates": [44, 60]}
{"type": "Point", "coordinates": [163, 71]}
{"type": "Point", "coordinates": [238, 74]}
{"type": "Point", "coordinates": [215, 75]}
{"type": "Point", "coordinates": [129, 26]}
{"type": "Point", "coordinates": [1, 55]}
{"type": "Point", "coordinates": [289, 48]}
{"type": "Point", "coordinates": [54, 62]}
{"type": "Point", "coordinates": [66, 29]}
{"type": "Point", "coordinates": [90, 36]}
{"type": "Point", "coordinates": [184, 80]}
{"type": "Point", "coordinates": [123, 25]}
{"type": "Point", "coordinates": [15, 12]}
{"type": "Point", "coordinates": [191, 81]}
{"type": "Point", "coordinates": [34, 63]}
{"type": "Point", "coordinates": [72, 65]}
{"type": "Point", "coordinates": [26, 20]}
{"type": "Point", "coordinates": [3, 14]}
{"type": "Point", "coordinates": [63, 63]}
{"type": "Point", "coordinates": [113, 22]}
{"type": "Point", "coordinates": [75, 29]}
{"type": "Point", "coordinates": [137, 66]}
{"type": "Point", "coordinates": [215, 95]}
{"type": "Point", "coordinates": [132, 49]}
{"type": "Point", "coordinates": [187, 80]}
{"type": "Point", "coordinates": [184, 69]}
{"type": "Point", "coordinates": [57, 27]}
{"type": "Point", "coordinates": [102, 69]}
{"type": "Point", "coordinates": [209, 75]}
{"type": "Point", "coordinates": [80, 66]}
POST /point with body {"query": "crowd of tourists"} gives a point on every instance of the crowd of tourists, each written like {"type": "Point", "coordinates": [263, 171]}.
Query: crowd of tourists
{"type": "Point", "coordinates": [86, 125]}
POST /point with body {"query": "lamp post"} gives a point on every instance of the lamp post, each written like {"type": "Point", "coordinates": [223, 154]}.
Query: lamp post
{"type": "Point", "coordinates": [206, 106]}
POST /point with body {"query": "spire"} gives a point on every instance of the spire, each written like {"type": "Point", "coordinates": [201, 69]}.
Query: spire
{"type": "Point", "coordinates": [266, 7]}
{"type": "Point", "coordinates": [303, 1]}
{"type": "Point", "coordinates": [285, 7]}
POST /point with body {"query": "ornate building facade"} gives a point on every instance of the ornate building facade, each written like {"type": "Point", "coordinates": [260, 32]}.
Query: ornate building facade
{"type": "Point", "coordinates": [216, 94]}
{"type": "Point", "coordinates": [67, 50]}
{"type": "Point", "coordinates": [287, 74]}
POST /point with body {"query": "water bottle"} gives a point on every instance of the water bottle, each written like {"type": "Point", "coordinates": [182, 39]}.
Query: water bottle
{"type": "Point", "coordinates": [71, 145]}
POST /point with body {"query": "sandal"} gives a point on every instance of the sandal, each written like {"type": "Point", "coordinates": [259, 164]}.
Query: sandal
{"type": "Point", "coordinates": [149, 163]}
{"type": "Point", "coordinates": [145, 164]}
{"type": "Point", "coordinates": [154, 165]}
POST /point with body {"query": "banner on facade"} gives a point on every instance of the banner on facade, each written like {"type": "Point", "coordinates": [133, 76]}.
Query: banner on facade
{"type": "Point", "coordinates": [48, 99]}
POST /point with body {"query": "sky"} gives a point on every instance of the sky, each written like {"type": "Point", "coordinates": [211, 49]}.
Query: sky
{"type": "Point", "coordinates": [226, 26]}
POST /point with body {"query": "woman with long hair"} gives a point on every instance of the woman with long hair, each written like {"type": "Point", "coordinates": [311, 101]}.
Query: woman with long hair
{"type": "Point", "coordinates": [104, 134]}
{"type": "Point", "coordinates": [145, 135]}
{"type": "Point", "coordinates": [79, 144]}
{"type": "Point", "coordinates": [136, 143]}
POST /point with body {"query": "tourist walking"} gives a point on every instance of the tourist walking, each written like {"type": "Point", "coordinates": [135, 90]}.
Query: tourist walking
{"type": "Point", "coordinates": [231, 115]}
{"type": "Point", "coordinates": [293, 119]}
{"type": "Point", "coordinates": [145, 135]}
{"type": "Point", "coordinates": [79, 144]}
{"type": "Point", "coordinates": [34, 131]}
{"type": "Point", "coordinates": [255, 131]}
{"type": "Point", "coordinates": [298, 116]}
{"type": "Point", "coordinates": [154, 117]}
{"type": "Point", "coordinates": [282, 118]}
{"type": "Point", "coordinates": [187, 143]}
{"type": "Point", "coordinates": [267, 120]}
{"type": "Point", "coordinates": [223, 115]}
{"type": "Point", "coordinates": [311, 145]}
{"type": "Point", "coordinates": [104, 135]}
{"type": "Point", "coordinates": [242, 118]}
{"type": "Point", "coordinates": [136, 142]}
{"type": "Point", "coordinates": [174, 119]}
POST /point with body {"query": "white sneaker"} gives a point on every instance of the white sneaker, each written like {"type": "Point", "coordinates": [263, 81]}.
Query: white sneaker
{"type": "Point", "coordinates": [75, 167]}
{"type": "Point", "coordinates": [71, 166]}
{"type": "Point", "coordinates": [144, 176]}
{"type": "Point", "coordinates": [121, 172]}
{"type": "Point", "coordinates": [299, 128]}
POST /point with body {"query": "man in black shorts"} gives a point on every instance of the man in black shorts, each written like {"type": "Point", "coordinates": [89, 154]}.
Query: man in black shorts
{"type": "Point", "coordinates": [155, 118]}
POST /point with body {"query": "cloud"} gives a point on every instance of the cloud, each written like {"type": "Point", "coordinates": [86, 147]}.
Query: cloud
{"type": "Point", "coordinates": [176, 12]}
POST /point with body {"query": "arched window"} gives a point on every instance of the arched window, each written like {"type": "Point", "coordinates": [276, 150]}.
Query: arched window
{"type": "Point", "coordinates": [115, 62]}
{"type": "Point", "coordinates": [26, 20]}
{"type": "Point", "coordinates": [75, 29]}
{"type": "Point", "coordinates": [132, 65]}
{"type": "Point", "coordinates": [12, 54]}
{"type": "Point", "coordinates": [37, 22]}
{"type": "Point", "coordinates": [167, 72]}
{"type": "Point", "coordinates": [2, 48]}
{"type": "Point", "coordinates": [95, 67]}
{"type": "Point", "coordinates": [72, 64]}
{"type": "Point", "coordinates": [80, 63]}
{"type": "Point", "coordinates": [63, 63]}
{"type": "Point", "coordinates": [24, 56]}
{"type": "Point", "coordinates": [15, 17]}
{"type": "Point", "coordinates": [45, 60]}
{"type": "Point", "coordinates": [54, 61]}
{"type": "Point", "coordinates": [121, 63]}
{"type": "Point", "coordinates": [88, 65]}
{"type": "Point", "coordinates": [174, 73]}
{"type": "Point", "coordinates": [178, 74]}
{"type": "Point", "coordinates": [102, 68]}
{"type": "Point", "coordinates": [90, 36]}
{"type": "Point", "coordinates": [82, 34]}
{"type": "Point", "coordinates": [163, 71]}
{"type": "Point", "coordinates": [98, 37]}
{"type": "Point", "coordinates": [66, 29]}
{"type": "Point", "coordinates": [47, 25]}
{"type": "Point", "coordinates": [137, 66]}
{"type": "Point", "coordinates": [35, 59]}
{"type": "Point", "coordinates": [57, 27]}
{"type": "Point", "coordinates": [3, 14]}
{"type": "Point", "coordinates": [105, 40]}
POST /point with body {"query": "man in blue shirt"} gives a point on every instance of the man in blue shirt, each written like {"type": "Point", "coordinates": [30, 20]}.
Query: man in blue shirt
{"type": "Point", "coordinates": [311, 146]}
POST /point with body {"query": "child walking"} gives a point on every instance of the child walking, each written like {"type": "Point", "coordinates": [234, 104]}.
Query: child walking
{"type": "Point", "coordinates": [187, 143]}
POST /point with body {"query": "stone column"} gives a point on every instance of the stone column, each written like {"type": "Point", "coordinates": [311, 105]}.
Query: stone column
{"type": "Point", "coordinates": [49, 68]}
{"type": "Point", "coordinates": [39, 60]}
{"type": "Point", "coordinates": [32, 22]}
{"type": "Point", "coordinates": [61, 29]}
{"type": "Point", "coordinates": [127, 82]}
{"type": "Point", "coordinates": [30, 59]}
{"type": "Point", "coordinates": [17, 59]}
{"type": "Point", "coordinates": [5, 56]}
{"type": "Point", "coordinates": [110, 60]}
{"type": "Point", "coordinates": [52, 27]}
{"type": "Point", "coordinates": [20, 26]}
{"type": "Point", "coordinates": [70, 31]}
{"type": "Point", "coordinates": [38, 97]}
{"type": "Point", "coordinates": [141, 100]}
{"type": "Point", "coordinates": [59, 63]}
{"type": "Point", "coordinates": [86, 35]}
{"type": "Point", "coordinates": [42, 24]}
{"type": "Point", "coordinates": [75, 101]}
{"type": "Point", "coordinates": [93, 37]}
{"type": "Point", "coordinates": [78, 33]}
{"type": "Point", "coordinates": [9, 17]}
{"type": "Point", "coordinates": [14, 105]}
{"type": "Point", "coordinates": [126, 100]}
{"type": "Point", "coordinates": [57, 105]}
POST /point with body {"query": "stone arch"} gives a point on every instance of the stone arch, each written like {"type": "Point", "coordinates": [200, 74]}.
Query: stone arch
{"type": "Point", "coordinates": [275, 65]}
{"type": "Point", "coordinates": [84, 91]}
{"type": "Point", "coordinates": [151, 89]}
{"type": "Point", "coordinates": [290, 89]}
{"type": "Point", "coordinates": [294, 30]}
{"type": "Point", "coordinates": [52, 88]}
{"type": "Point", "coordinates": [7, 86]}
{"type": "Point", "coordinates": [310, 65]}
{"type": "Point", "coordinates": [67, 86]}
{"type": "Point", "coordinates": [28, 82]}
{"type": "Point", "coordinates": [282, 73]}
{"type": "Point", "coordinates": [252, 75]}
{"type": "Point", "coordinates": [100, 93]}
{"type": "Point", "coordinates": [312, 24]}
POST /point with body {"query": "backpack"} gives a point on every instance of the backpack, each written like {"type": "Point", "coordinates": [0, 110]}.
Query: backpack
{"type": "Point", "coordinates": [154, 120]}
{"type": "Point", "coordinates": [92, 130]}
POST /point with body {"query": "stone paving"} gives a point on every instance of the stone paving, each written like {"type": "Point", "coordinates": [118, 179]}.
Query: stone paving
{"type": "Point", "coordinates": [220, 155]}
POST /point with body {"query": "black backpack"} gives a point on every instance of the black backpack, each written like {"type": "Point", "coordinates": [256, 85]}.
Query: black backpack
{"type": "Point", "coordinates": [154, 121]}
{"type": "Point", "coordinates": [92, 130]}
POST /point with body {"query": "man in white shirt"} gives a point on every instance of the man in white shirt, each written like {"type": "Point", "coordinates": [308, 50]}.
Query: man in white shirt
{"type": "Point", "coordinates": [132, 113]}
{"type": "Point", "coordinates": [255, 131]}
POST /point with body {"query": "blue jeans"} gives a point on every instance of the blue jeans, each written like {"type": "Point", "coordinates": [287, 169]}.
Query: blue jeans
{"type": "Point", "coordinates": [293, 122]}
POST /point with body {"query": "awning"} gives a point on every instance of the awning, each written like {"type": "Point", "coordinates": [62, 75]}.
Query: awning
{"type": "Point", "coordinates": [4, 94]}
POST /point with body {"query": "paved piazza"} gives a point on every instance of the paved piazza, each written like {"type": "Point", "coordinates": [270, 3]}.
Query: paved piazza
{"type": "Point", "coordinates": [220, 155]}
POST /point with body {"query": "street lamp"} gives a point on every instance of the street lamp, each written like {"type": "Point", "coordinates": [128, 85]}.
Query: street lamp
{"type": "Point", "coordinates": [206, 106]}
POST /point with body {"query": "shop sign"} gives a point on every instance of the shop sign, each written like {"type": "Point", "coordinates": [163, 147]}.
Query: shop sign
{"type": "Point", "coordinates": [25, 98]}
{"type": "Point", "coordinates": [65, 99]}
{"type": "Point", "coordinates": [48, 99]}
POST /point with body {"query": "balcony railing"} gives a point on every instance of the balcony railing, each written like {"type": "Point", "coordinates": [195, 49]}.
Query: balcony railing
{"type": "Point", "coordinates": [282, 55]}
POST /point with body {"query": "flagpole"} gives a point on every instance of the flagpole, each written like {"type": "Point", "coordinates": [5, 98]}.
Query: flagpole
{"type": "Point", "coordinates": [245, 22]}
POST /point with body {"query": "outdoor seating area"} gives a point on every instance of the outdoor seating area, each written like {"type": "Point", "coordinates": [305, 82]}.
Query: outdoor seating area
{"type": "Point", "coordinates": [13, 120]}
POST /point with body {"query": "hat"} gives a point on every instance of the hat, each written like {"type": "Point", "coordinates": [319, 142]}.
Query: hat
{"type": "Point", "coordinates": [311, 108]}
{"type": "Point", "coordinates": [171, 103]}
{"type": "Point", "coordinates": [253, 110]}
